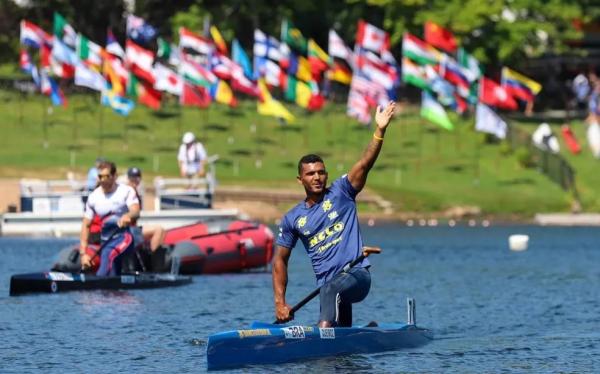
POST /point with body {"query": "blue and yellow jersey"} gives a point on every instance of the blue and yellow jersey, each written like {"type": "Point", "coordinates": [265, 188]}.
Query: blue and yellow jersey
{"type": "Point", "coordinates": [329, 230]}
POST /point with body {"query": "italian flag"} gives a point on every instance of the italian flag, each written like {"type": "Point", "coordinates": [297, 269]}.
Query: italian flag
{"type": "Point", "coordinates": [419, 51]}
{"type": "Point", "coordinates": [88, 51]}
{"type": "Point", "coordinates": [434, 112]}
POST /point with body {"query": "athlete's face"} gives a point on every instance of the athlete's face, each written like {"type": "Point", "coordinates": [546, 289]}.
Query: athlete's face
{"type": "Point", "coordinates": [313, 177]}
{"type": "Point", "coordinates": [107, 180]}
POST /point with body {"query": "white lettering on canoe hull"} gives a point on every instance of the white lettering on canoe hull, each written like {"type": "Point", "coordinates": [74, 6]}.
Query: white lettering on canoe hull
{"type": "Point", "coordinates": [327, 333]}
{"type": "Point", "coordinates": [58, 276]}
{"type": "Point", "coordinates": [294, 332]}
{"type": "Point", "coordinates": [127, 279]}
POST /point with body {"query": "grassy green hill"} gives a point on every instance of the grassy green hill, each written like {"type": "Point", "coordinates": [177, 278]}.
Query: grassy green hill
{"type": "Point", "coordinates": [421, 167]}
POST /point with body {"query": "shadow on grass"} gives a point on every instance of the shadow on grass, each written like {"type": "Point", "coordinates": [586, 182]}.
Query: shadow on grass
{"type": "Point", "coordinates": [289, 164]}
{"type": "Point", "coordinates": [456, 168]}
{"type": "Point", "coordinates": [136, 159]}
{"type": "Point", "coordinates": [217, 127]}
{"type": "Point", "coordinates": [165, 148]}
{"type": "Point", "coordinates": [240, 152]}
{"type": "Point", "coordinates": [234, 113]}
{"type": "Point", "coordinates": [224, 162]}
{"type": "Point", "coordinates": [264, 140]}
{"type": "Point", "coordinates": [111, 135]}
{"type": "Point", "coordinates": [60, 122]}
{"type": "Point", "coordinates": [409, 144]}
{"type": "Point", "coordinates": [136, 126]}
{"type": "Point", "coordinates": [517, 182]}
{"type": "Point", "coordinates": [290, 128]}
{"type": "Point", "coordinates": [165, 114]}
{"type": "Point", "coordinates": [75, 147]}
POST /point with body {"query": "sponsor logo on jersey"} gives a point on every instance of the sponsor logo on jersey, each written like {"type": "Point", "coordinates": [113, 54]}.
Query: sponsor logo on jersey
{"type": "Point", "coordinates": [330, 231]}
{"type": "Point", "coordinates": [301, 222]}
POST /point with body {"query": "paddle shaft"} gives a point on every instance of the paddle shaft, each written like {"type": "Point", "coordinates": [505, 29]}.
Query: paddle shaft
{"type": "Point", "coordinates": [365, 253]}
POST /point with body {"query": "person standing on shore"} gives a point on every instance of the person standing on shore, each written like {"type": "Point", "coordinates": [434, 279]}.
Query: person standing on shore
{"type": "Point", "coordinates": [327, 224]}
{"type": "Point", "coordinates": [191, 157]}
{"type": "Point", "coordinates": [117, 205]}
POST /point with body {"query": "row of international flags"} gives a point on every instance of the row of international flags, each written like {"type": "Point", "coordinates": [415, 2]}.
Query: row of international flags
{"type": "Point", "coordinates": [202, 69]}
{"type": "Point", "coordinates": [450, 77]}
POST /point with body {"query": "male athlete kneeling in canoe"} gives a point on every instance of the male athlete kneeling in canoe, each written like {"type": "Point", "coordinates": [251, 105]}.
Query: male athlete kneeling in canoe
{"type": "Point", "coordinates": [327, 224]}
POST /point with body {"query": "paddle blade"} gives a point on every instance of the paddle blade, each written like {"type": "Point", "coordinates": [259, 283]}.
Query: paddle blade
{"type": "Point", "coordinates": [370, 250]}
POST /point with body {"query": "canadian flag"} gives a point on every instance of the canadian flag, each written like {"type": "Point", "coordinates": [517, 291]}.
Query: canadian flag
{"type": "Point", "coordinates": [371, 37]}
{"type": "Point", "coordinates": [492, 93]}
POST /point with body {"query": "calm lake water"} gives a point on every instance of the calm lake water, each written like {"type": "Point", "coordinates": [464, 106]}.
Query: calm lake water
{"type": "Point", "coordinates": [492, 310]}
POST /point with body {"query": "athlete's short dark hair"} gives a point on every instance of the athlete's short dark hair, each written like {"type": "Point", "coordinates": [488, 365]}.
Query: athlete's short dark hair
{"type": "Point", "coordinates": [308, 159]}
{"type": "Point", "coordinates": [108, 165]}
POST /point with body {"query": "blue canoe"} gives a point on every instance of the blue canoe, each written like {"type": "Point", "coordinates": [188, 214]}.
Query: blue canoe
{"type": "Point", "coordinates": [265, 343]}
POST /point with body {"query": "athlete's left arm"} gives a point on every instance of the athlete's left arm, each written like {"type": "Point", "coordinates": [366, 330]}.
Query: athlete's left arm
{"type": "Point", "coordinates": [358, 173]}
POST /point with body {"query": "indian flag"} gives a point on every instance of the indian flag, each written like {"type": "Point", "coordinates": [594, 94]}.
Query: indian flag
{"type": "Point", "coordinates": [434, 112]}
{"type": "Point", "coordinates": [414, 74]}
{"type": "Point", "coordinates": [419, 51]}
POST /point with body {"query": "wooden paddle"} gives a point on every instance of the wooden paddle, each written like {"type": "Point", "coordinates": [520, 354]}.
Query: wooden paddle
{"type": "Point", "coordinates": [365, 253]}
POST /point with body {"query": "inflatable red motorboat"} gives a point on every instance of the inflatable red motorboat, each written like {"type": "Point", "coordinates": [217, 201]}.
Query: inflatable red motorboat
{"type": "Point", "coordinates": [210, 247]}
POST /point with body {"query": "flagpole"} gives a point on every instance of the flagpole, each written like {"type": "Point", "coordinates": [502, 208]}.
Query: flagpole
{"type": "Point", "coordinates": [45, 124]}
{"type": "Point", "coordinates": [421, 129]}
{"type": "Point", "coordinates": [21, 94]}
{"type": "Point", "coordinates": [437, 143]}
{"type": "Point", "coordinates": [100, 128]}
{"type": "Point", "coordinates": [179, 121]}
{"type": "Point", "coordinates": [476, 161]}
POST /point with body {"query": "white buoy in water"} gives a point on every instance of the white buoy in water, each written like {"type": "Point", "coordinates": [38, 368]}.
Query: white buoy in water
{"type": "Point", "coordinates": [518, 242]}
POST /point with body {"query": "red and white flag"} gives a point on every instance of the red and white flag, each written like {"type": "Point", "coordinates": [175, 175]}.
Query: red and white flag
{"type": "Point", "coordinates": [167, 80]}
{"type": "Point", "coordinates": [195, 42]}
{"type": "Point", "coordinates": [372, 38]}
{"type": "Point", "coordinates": [492, 93]}
{"type": "Point", "coordinates": [140, 61]}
